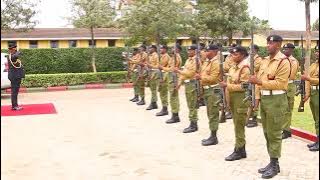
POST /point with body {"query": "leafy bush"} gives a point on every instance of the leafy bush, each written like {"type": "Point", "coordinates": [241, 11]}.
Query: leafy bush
{"type": "Point", "coordinates": [66, 79]}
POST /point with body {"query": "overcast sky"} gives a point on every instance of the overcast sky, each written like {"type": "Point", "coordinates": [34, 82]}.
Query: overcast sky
{"type": "Point", "coordinates": [282, 14]}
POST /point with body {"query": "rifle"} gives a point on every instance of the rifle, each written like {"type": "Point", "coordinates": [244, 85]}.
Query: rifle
{"type": "Point", "coordinates": [174, 74]}
{"type": "Point", "coordinates": [250, 88]}
{"type": "Point", "coordinates": [301, 84]}
{"type": "Point", "coordinates": [159, 57]}
{"type": "Point", "coordinates": [198, 85]}
{"type": "Point", "coordinates": [222, 100]}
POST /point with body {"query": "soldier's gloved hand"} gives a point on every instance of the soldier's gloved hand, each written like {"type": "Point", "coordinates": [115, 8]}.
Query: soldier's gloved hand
{"type": "Point", "coordinates": [305, 77]}
{"type": "Point", "coordinates": [197, 76]}
{"type": "Point", "coordinates": [223, 84]}
{"type": "Point", "coordinates": [254, 80]}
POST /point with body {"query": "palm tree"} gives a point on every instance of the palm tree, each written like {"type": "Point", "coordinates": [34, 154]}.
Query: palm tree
{"type": "Point", "coordinates": [308, 33]}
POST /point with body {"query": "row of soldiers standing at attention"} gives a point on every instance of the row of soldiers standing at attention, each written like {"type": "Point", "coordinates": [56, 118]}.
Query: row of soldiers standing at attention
{"type": "Point", "coordinates": [274, 91]}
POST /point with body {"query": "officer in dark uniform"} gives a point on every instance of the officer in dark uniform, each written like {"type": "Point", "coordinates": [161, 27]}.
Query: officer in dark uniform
{"type": "Point", "coordinates": [15, 75]}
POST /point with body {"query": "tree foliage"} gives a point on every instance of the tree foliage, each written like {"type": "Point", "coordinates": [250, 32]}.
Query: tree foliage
{"type": "Point", "coordinates": [154, 21]}
{"type": "Point", "coordinates": [315, 25]}
{"type": "Point", "coordinates": [18, 14]}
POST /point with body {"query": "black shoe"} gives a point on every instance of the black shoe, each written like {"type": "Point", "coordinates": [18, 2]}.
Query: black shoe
{"type": "Point", "coordinates": [237, 154]}
{"type": "Point", "coordinates": [263, 170]}
{"type": "Point", "coordinates": [163, 112]}
{"type": "Point", "coordinates": [201, 102]}
{"type": "Point", "coordinates": [192, 128]}
{"type": "Point", "coordinates": [286, 134]}
{"type": "Point", "coordinates": [141, 102]}
{"type": "Point", "coordinates": [312, 144]}
{"type": "Point", "coordinates": [16, 108]}
{"type": "Point", "coordinates": [135, 96]}
{"type": "Point", "coordinates": [212, 140]}
{"type": "Point", "coordinates": [136, 99]}
{"type": "Point", "coordinates": [273, 169]}
{"type": "Point", "coordinates": [153, 105]}
{"type": "Point", "coordinates": [252, 123]}
{"type": "Point", "coordinates": [315, 147]}
{"type": "Point", "coordinates": [228, 115]}
{"type": "Point", "coordinates": [174, 119]}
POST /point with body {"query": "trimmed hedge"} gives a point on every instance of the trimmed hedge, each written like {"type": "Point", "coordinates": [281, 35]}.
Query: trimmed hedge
{"type": "Point", "coordinates": [48, 80]}
{"type": "Point", "coordinates": [78, 60]}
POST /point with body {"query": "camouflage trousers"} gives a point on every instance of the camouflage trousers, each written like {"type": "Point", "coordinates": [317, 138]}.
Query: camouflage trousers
{"type": "Point", "coordinates": [141, 86]}
{"type": "Point", "coordinates": [153, 85]}
{"type": "Point", "coordinates": [174, 95]}
{"type": "Point", "coordinates": [273, 111]}
{"type": "Point", "coordinates": [163, 90]}
{"type": "Point", "coordinates": [191, 96]}
{"type": "Point", "coordinates": [134, 79]}
{"type": "Point", "coordinates": [212, 108]}
{"type": "Point", "coordinates": [290, 96]}
{"type": "Point", "coordinates": [314, 105]}
{"type": "Point", "coordinates": [239, 111]}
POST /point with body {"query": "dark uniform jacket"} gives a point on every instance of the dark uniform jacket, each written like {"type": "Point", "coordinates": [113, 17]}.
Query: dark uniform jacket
{"type": "Point", "coordinates": [14, 71]}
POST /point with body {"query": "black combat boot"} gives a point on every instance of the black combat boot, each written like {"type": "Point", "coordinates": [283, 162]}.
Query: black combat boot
{"type": "Point", "coordinates": [136, 99]}
{"type": "Point", "coordinates": [135, 96]}
{"type": "Point", "coordinates": [315, 147]}
{"type": "Point", "coordinates": [238, 153]}
{"type": "Point", "coordinates": [273, 170]}
{"type": "Point", "coordinates": [201, 102]}
{"type": "Point", "coordinates": [192, 127]}
{"type": "Point", "coordinates": [212, 140]}
{"type": "Point", "coordinates": [263, 170]}
{"type": "Point", "coordinates": [252, 123]}
{"type": "Point", "coordinates": [286, 134]}
{"type": "Point", "coordinates": [153, 105]}
{"type": "Point", "coordinates": [312, 144]}
{"type": "Point", "coordinates": [141, 102]}
{"type": "Point", "coordinates": [174, 119]}
{"type": "Point", "coordinates": [228, 115]}
{"type": "Point", "coordinates": [163, 112]}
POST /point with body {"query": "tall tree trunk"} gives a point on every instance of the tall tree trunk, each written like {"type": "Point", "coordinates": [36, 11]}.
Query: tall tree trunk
{"type": "Point", "coordinates": [308, 36]}
{"type": "Point", "coordinates": [93, 52]}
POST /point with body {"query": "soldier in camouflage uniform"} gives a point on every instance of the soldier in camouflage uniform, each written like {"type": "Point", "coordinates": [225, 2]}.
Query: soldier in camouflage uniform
{"type": "Point", "coordinates": [312, 92]}
{"type": "Point", "coordinates": [175, 62]}
{"type": "Point", "coordinates": [187, 77]}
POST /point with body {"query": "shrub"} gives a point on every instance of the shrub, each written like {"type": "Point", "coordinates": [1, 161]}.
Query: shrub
{"type": "Point", "coordinates": [48, 80]}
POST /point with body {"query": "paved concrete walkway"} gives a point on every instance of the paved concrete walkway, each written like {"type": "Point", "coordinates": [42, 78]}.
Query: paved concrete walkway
{"type": "Point", "coordinates": [100, 135]}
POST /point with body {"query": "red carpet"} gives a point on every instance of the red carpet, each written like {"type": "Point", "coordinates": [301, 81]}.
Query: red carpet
{"type": "Point", "coordinates": [29, 109]}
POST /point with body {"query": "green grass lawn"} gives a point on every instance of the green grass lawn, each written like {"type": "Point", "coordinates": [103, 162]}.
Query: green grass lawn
{"type": "Point", "coordinates": [302, 120]}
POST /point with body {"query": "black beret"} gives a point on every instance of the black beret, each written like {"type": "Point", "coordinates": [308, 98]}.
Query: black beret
{"type": "Point", "coordinates": [163, 47]}
{"type": "Point", "coordinates": [135, 49]}
{"type": "Point", "coordinates": [178, 47]}
{"type": "Point", "coordinates": [240, 49]}
{"type": "Point", "coordinates": [233, 45]}
{"type": "Point", "coordinates": [219, 45]}
{"type": "Point", "coordinates": [316, 48]}
{"type": "Point", "coordinates": [192, 47]}
{"type": "Point", "coordinates": [202, 45]}
{"type": "Point", "coordinates": [274, 38]}
{"type": "Point", "coordinates": [289, 45]}
{"type": "Point", "coordinates": [255, 47]}
{"type": "Point", "coordinates": [12, 46]}
{"type": "Point", "coordinates": [143, 46]}
{"type": "Point", "coordinates": [212, 47]}
{"type": "Point", "coordinates": [153, 46]}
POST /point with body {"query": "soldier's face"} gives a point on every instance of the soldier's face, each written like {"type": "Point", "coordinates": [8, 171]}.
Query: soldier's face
{"type": "Point", "coordinates": [162, 50]}
{"type": "Point", "coordinates": [273, 47]}
{"type": "Point", "coordinates": [191, 53]}
{"type": "Point", "coordinates": [287, 51]}
{"type": "Point", "coordinates": [211, 53]}
{"type": "Point", "coordinates": [237, 57]}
